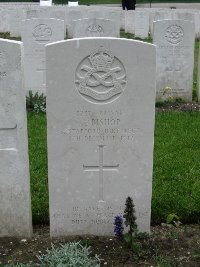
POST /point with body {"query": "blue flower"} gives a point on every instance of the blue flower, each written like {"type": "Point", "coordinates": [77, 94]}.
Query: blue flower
{"type": "Point", "coordinates": [118, 229]}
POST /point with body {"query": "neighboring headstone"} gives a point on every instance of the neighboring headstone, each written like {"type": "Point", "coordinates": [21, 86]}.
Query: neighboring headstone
{"type": "Point", "coordinates": [90, 13]}
{"type": "Point", "coordinates": [158, 14]}
{"type": "Point", "coordinates": [137, 22]}
{"type": "Point", "coordinates": [142, 24]}
{"type": "Point", "coordinates": [55, 12]}
{"type": "Point", "coordinates": [17, 15]}
{"type": "Point", "coordinates": [95, 28]}
{"type": "Point", "coordinates": [175, 59]}
{"type": "Point", "coordinates": [183, 15]}
{"type": "Point", "coordinates": [100, 115]}
{"type": "Point", "coordinates": [72, 3]}
{"type": "Point", "coordinates": [4, 19]}
{"type": "Point", "coordinates": [35, 34]}
{"type": "Point", "coordinates": [197, 23]}
{"type": "Point", "coordinates": [122, 18]}
{"type": "Point", "coordinates": [15, 202]}
{"type": "Point", "coordinates": [15, 19]}
{"type": "Point", "coordinates": [45, 2]}
{"type": "Point", "coordinates": [130, 21]}
{"type": "Point", "coordinates": [174, 14]}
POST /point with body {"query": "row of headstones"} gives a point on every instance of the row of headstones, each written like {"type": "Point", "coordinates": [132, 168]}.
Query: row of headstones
{"type": "Point", "coordinates": [175, 53]}
{"type": "Point", "coordinates": [12, 17]}
{"type": "Point", "coordinates": [36, 33]}
{"type": "Point", "coordinates": [138, 22]}
{"type": "Point", "coordinates": [100, 116]}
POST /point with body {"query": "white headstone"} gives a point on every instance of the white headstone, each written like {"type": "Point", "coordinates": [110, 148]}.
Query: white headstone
{"type": "Point", "coordinates": [15, 19]}
{"type": "Point", "coordinates": [156, 15]}
{"type": "Point", "coordinates": [95, 28]}
{"type": "Point", "coordinates": [142, 23]}
{"type": "Point", "coordinates": [100, 132]}
{"type": "Point", "coordinates": [174, 14]}
{"type": "Point", "coordinates": [122, 19]}
{"type": "Point", "coordinates": [72, 3]}
{"type": "Point", "coordinates": [130, 21]}
{"type": "Point", "coordinates": [15, 202]}
{"type": "Point", "coordinates": [175, 59]}
{"type": "Point", "coordinates": [17, 15]}
{"type": "Point", "coordinates": [137, 22]}
{"type": "Point", "coordinates": [36, 33]}
{"type": "Point", "coordinates": [197, 23]}
{"type": "Point", "coordinates": [45, 2]}
{"type": "Point", "coordinates": [92, 13]}
{"type": "Point", "coordinates": [4, 19]}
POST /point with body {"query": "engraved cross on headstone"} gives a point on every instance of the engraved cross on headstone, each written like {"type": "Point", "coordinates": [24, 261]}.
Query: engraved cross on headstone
{"type": "Point", "coordinates": [101, 168]}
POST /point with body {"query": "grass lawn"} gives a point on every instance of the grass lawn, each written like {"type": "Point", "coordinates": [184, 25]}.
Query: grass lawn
{"type": "Point", "coordinates": [176, 183]}
{"type": "Point", "coordinates": [37, 135]}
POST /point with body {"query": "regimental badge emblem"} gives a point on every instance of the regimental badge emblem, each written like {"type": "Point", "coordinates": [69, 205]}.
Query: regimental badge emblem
{"type": "Point", "coordinates": [95, 30]}
{"type": "Point", "coordinates": [100, 77]}
{"type": "Point", "coordinates": [174, 34]}
{"type": "Point", "coordinates": [42, 33]}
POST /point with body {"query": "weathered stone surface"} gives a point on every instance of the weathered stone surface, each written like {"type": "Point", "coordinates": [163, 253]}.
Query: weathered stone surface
{"type": "Point", "coordinates": [100, 132]}
{"type": "Point", "coordinates": [75, 13]}
{"type": "Point", "coordinates": [174, 14]}
{"type": "Point", "coordinates": [158, 14]}
{"type": "Point", "coordinates": [45, 2]}
{"type": "Point", "coordinates": [15, 203]}
{"type": "Point", "coordinates": [35, 34]}
{"type": "Point", "coordinates": [175, 59]}
{"type": "Point", "coordinates": [130, 21]}
{"type": "Point", "coordinates": [137, 22]}
{"type": "Point", "coordinates": [95, 28]}
{"type": "Point", "coordinates": [17, 15]}
{"type": "Point", "coordinates": [4, 20]}
{"type": "Point", "coordinates": [15, 21]}
{"type": "Point", "coordinates": [142, 24]}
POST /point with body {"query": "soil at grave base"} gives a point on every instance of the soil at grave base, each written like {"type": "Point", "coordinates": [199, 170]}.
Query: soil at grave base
{"type": "Point", "coordinates": [180, 246]}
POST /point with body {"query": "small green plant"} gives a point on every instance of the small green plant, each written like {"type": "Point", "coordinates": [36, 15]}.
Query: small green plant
{"type": "Point", "coordinates": [172, 235]}
{"type": "Point", "coordinates": [162, 262]}
{"type": "Point", "coordinates": [36, 102]}
{"type": "Point", "coordinates": [173, 219]}
{"type": "Point", "coordinates": [130, 221]}
{"type": "Point", "coordinates": [70, 254]}
{"type": "Point", "coordinates": [142, 235]}
{"type": "Point", "coordinates": [168, 94]}
{"type": "Point", "coordinates": [129, 215]}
